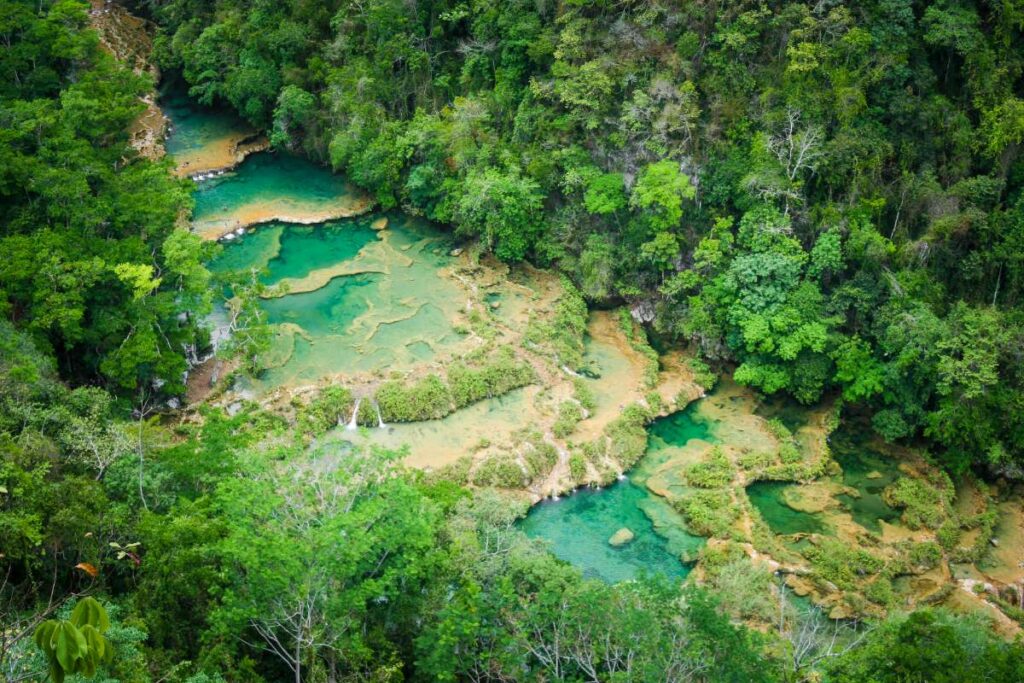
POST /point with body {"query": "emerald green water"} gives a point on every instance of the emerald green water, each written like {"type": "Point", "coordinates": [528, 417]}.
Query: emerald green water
{"type": "Point", "coordinates": [267, 186]}
{"type": "Point", "coordinates": [767, 498]}
{"type": "Point", "coordinates": [194, 128]}
{"type": "Point", "coordinates": [577, 528]}
{"type": "Point", "coordinates": [386, 307]}
{"type": "Point", "coordinates": [349, 298]}
{"type": "Point", "coordinates": [858, 462]}
{"type": "Point", "coordinates": [294, 251]}
{"type": "Point", "coordinates": [864, 470]}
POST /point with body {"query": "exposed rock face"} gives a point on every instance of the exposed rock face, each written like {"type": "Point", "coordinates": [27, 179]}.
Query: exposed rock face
{"type": "Point", "coordinates": [129, 39]}
{"type": "Point", "coordinates": [621, 537]}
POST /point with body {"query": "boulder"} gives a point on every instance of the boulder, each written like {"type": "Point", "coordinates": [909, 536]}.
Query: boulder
{"type": "Point", "coordinates": [621, 537]}
{"type": "Point", "coordinates": [379, 224]}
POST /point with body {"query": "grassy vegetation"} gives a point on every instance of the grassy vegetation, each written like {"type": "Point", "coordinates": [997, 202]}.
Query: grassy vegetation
{"type": "Point", "coordinates": [432, 398]}
{"type": "Point", "coordinates": [708, 512]}
{"type": "Point", "coordinates": [840, 564]}
{"type": "Point", "coordinates": [702, 373]}
{"type": "Point", "coordinates": [331, 406]}
{"type": "Point", "coordinates": [569, 415]}
{"type": "Point", "coordinates": [715, 472]}
{"type": "Point", "coordinates": [502, 471]}
{"type": "Point", "coordinates": [924, 504]}
{"type": "Point", "coordinates": [584, 394]}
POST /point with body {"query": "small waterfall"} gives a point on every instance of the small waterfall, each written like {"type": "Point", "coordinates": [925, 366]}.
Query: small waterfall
{"type": "Point", "coordinates": [622, 477]}
{"type": "Point", "coordinates": [380, 420]}
{"type": "Point", "coordinates": [355, 414]}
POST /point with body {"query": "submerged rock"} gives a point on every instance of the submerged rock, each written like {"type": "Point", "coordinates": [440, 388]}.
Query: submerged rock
{"type": "Point", "coordinates": [379, 224]}
{"type": "Point", "coordinates": [621, 537]}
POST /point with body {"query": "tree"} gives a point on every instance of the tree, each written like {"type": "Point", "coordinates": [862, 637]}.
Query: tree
{"type": "Point", "coordinates": [503, 209]}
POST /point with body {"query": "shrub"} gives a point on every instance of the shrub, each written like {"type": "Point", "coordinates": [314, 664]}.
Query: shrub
{"type": "Point", "coordinates": [925, 555]}
{"type": "Point", "coordinates": [789, 454]}
{"type": "Point", "coordinates": [331, 406]}
{"type": "Point", "coordinates": [779, 430]}
{"type": "Point", "coordinates": [502, 471]}
{"type": "Point", "coordinates": [834, 561]}
{"type": "Point", "coordinates": [428, 399]}
{"type": "Point", "coordinates": [702, 373]}
{"type": "Point", "coordinates": [499, 376]}
{"type": "Point", "coordinates": [922, 504]}
{"type": "Point", "coordinates": [628, 436]}
{"type": "Point", "coordinates": [948, 534]}
{"type": "Point", "coordinates": [713, 473]}
{"type": "Point", "coordinates": [584, 394]}
{"type": "Point", "coordinates": [540, 458]}
{"type": "Point", "coordinates": [708, 512]}
{"type": "Point", "coordinates": [577, 467]}
{"type": "Point", "coordinates": [569, 414]}
{"type": "Point", "coordinates": [756, 461]}
{"type": "Point", "coordinates": [880, 591]}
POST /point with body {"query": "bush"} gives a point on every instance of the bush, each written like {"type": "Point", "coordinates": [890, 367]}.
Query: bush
{"type": "Point", "coordinates": [468, 385]}
{"type": "Point", "coordinates": [584, 394]}
{"type": "Point", "coordinates": [502, 471]}
{"type": "Point", "coordinates": [628, 436]}
{"type": "Point", "coordinates": [789, 454]}
{"type": "Point", "coordinates": [834, 561]}
{"type": "Point", "coordinates": [332, 406]}
{"type": "Point", "coordinates": [925, 555]}
{"type": "Point", "coordinates": [756, 461]}
{"type": "Point", "coordinates": [716, 472]}
{"type": "Point", "coordinates": [540, 458]}
{"type": "Point", "coordinates": [708, 512]}
{"type": "Point", "coordinates": [702, 373]}
{"type": "Point", "coordinates": [569, 415]}
{"type": "Point", "coordinates": [880, 592]}
{"type": "Point", "coordinates": [578, 467]}
{"type": "Point", "coordinates": [923, 505]}
{"type": "Point", "coordinates": [428, 399]}
{"type": "Point", "coordinates": [779, 430]}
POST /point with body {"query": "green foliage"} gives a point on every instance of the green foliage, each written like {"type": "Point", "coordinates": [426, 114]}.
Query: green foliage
{"type": "Point", "coordinates": [858, 225]}
{"type": "Point", "coordinates": [431, 398]}
{"type": "Point", "coordinates": [844, 566]}
{"type": "Point", "coordinates": [923, 503]}
{"type": "Point", "coordinates": [331, 407]}
{"type": "Point", "coordinates": [569, 414]}
{"type": "Point", "coordinates": [626, 436]}
{"type": "Point", "coordinates": [708, 512]}
{"type": "Point", "coordinates": [577, 467]}
{"type": "Point", "coordinates": [582, 392]}
{"type": "Point", "coordinates": [78, 644]}
{"type": "Point", "coordinates": [503, 209]}
{"type": "Point", "coordinates": [94, 267]}
{"type": "Point", "coordinates": [930, 645]}
{"type": "Point", "coordinates": [497, 377]}
{"type": "Point", "coordinates": [712, 473]}
{"type": "Point", "coordinates": [502, 471]}
{"type": "Point", "coordinates": [702, 373]}
{"type": "Point", "coordinates": [427, 399]}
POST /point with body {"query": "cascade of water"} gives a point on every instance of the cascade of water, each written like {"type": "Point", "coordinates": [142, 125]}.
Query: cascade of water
{"type": "Point", "coordinates": [355, 414]}
{"type": "Point", "coordinates": [380, 420]}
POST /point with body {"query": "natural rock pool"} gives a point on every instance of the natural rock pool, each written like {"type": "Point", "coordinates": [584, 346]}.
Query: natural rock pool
{"type": "Point", "coordinates": [578, 527]}
{"type": "Point", "coordinates": [357, 298]}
